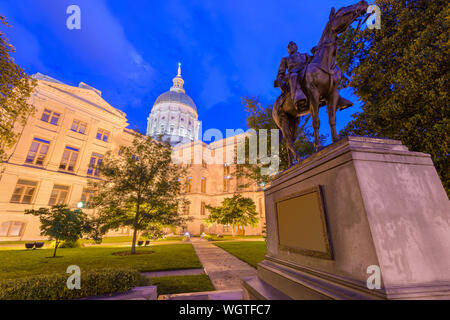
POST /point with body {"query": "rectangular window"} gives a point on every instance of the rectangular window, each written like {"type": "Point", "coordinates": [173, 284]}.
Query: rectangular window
{"type": "Point", "coordinates": [240, 181]}
{"type": "Point", "coordinates": [50, 116]}
{"type": "Point", "coordinates": [261, 207]}
{"type": "Point", "coordinates": [87, 196]}
{"type": "Point", "coordinates": [226, 177]}
{"type": "Point", "coordinates": [11, 228]}
{"type": "Point", "coordinates": [38, 151]}
{"type": "Point", "coordinates": [203, 185]}
{"type": "Point", "coordinates": [189, 184]}
{"type": "Point", "coordinates": [186, 209]}
{"type": "Point", "coordinates": [24, 191]}
{"type": "Point", "coordinates": [69, 159]}
{"type": "Point", "coordinates": [191, 162]}
{"type": "Point", "coordinates": [226, 184]}
{"type": "Point", "coordinates": [59, 195]}
{"type": "Point", "coordinates": [79, 126]}
{"type": "Point", "coordinates": [103, 135]}
{"type": "Point", "coordinates": [226, 170]}
{"type": "Point", "coordinates": [96, 160]}
{"type": "Point", "coordinates": [202, 209]}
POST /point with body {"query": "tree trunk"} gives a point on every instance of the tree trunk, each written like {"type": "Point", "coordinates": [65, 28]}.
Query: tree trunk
{"type": "Point", "coordinates": [56, 247]}
{"type": "Point", "coordinates": [133, 245]}
{"type": "Point", "coordinates": [232, 230]}
{"type": "Point", "coordinates": [135, 225]}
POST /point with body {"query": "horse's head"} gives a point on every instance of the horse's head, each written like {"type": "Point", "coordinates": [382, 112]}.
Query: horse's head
{"type": "Point", "coordinates": [339, 21]}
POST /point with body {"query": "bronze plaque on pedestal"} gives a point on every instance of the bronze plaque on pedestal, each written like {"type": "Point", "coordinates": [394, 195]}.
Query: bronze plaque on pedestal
{"type": "Point", "coordinates": [302, 226]}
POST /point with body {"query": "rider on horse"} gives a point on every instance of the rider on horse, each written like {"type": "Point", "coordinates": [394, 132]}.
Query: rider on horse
{"type": "Point", "coordinates": [294, 64]}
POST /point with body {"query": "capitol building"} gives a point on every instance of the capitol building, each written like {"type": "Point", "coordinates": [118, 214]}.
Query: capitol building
{"type": "Point", "coordinates": [174, 118]}
{"type": "Point", "coordinates": [73, 127]}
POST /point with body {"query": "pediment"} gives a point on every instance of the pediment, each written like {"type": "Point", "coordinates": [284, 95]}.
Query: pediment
{"type": "Point", "coordinates": [85, 94]}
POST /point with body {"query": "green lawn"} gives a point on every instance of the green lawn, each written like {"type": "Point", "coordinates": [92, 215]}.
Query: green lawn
{"type": "Point", "coordinates": [119, 239]}
{"type": "Point", "coordinates": [23, 242]}
{"type": "Point", "coordinates": [251, 252]}
{"type": "Point", "coordinates": [214, 237]}
{"type": "Point", "coordinates": [18, 263]}
{"type": "Point", "coordinates": [170, 238]}
{"type": "Point", "coordinates": [182, 284]}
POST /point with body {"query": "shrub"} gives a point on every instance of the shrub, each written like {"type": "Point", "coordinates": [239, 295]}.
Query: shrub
{"type": "Point", "coordinates": [208, 237]}
{"type": "Point", "coordinates": [54, 286]}
{"type": "Point", "coordinates": [214, 237]}
{"type": "Point", "coordinates": [172, 238]}
{"type": "Point", "coordinates": [67, 244]}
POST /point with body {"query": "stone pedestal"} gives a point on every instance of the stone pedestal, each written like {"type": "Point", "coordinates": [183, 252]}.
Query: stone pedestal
{"type": "Point", "coordinates": [359, 204]}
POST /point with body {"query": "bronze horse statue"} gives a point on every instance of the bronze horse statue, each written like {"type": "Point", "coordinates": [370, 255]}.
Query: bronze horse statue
{"type": "Point", "coordinates": [319, 82]}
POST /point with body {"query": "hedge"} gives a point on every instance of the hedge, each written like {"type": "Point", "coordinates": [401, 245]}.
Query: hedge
{"type": "Point", "coordinates": [67, 244]}
{"type": "Point", "coordinates": [54, 286]}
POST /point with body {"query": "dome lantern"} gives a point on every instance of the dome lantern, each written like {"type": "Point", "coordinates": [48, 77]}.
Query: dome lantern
{"type": "Point", "coordinates": [178, 81]}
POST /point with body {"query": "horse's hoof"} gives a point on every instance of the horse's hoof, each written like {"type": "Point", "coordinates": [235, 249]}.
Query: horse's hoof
{"type": "Point", "coordinates": [319, 148]}
{"type": "Point", "coordinates": [336, 139]}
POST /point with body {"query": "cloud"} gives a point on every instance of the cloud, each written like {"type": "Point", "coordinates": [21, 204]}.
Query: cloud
{"type": "Point", "coordinates": [27, 46]}
{"type": "Point", "coordinates": [129, 50]}
{"type": "Point", "coordinates": [100, 46]}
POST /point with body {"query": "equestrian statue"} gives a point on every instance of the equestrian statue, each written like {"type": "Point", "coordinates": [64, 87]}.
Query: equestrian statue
{"type": "Point", "coordinates": [310, 82]}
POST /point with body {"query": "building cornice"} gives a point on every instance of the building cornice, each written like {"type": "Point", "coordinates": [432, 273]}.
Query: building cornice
{"type": "Point", "coordinates": [73, 103]}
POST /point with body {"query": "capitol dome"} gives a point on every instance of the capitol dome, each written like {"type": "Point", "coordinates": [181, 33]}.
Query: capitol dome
{"type": "Point", "coordinates": [174, 115]}
{"type": "Point", "coordinates": [176, 97]}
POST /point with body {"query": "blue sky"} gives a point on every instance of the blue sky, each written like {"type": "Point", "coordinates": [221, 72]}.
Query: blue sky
{"type": "Point", "coordinates": [129, 50]}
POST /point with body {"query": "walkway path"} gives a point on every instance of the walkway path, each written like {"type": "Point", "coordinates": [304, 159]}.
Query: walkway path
{"type": "Point", "coordinates": [181, 272]}
{"type": "Point", "coordinates": [224, 270]}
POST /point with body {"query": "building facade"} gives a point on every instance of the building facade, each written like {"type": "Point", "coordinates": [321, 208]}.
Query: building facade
{"type": "Point", "coordinates": [57, 153]}
{"type": "Point", "coordinates": [210, 180]}
{"type": "Point", "coordinates": [63, 142]}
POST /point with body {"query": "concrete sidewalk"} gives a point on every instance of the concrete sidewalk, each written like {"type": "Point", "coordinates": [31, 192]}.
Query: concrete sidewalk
{"type": "Point", "coordinates": [171, 273]}
{"type": "Point", "coordinates": [224, 270]}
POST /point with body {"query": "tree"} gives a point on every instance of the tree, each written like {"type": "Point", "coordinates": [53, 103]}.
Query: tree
{"type": "Point", "coordinates": [235, 211]}
{"type": "Point", "coordinates": [141, 188]}
{"type": "Point", "coordinates": [15, 89]}
{"type": "Point", "coordinates": [401, 75]}
{"type": "Point", "coordinates": [62, 224]}
{"type": "Point", "coordinates": [259, 117]}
